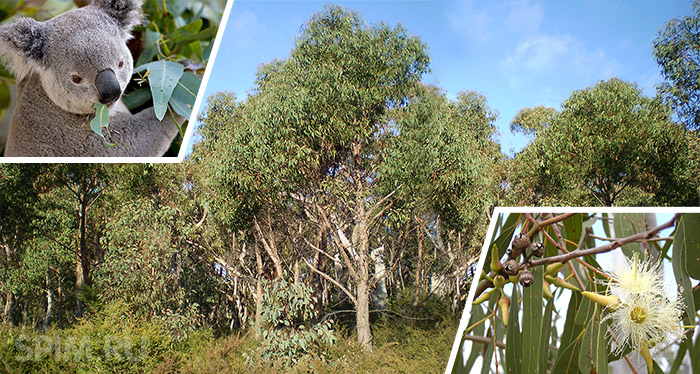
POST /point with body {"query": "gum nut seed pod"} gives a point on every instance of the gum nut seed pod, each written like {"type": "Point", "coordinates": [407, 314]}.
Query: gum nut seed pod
{"type": "Point", "coordinates": [526, 278]}
{"type": "Point", "coordinates": [520, 242]}
{"type": "Point", "coordinates": [499, 281]}
{"type": "Point", "coordinates": [511, 267]}
{"type": "Point", "coordinates": [537, 249]}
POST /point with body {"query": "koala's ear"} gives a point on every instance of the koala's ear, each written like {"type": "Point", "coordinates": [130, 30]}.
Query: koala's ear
{"type": "Point", "coordinates": [23, 45]}
{"type": "Point", "coordinates": [127, 13]}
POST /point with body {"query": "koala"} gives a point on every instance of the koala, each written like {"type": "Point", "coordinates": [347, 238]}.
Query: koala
{"type": "Point", "coordinates": [64, 66]}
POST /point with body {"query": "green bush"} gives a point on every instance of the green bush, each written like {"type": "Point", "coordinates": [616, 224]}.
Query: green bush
{"type": "Point", "coordinates": [285, 328]}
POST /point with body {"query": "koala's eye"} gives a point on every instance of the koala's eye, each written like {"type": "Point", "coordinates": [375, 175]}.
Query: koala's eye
{"type": "Point", "coordinates": [76, 78]}
{"type": "Point", "coordinates": [121, 64]}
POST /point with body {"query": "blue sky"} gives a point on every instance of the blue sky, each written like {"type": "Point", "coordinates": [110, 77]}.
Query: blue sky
{"type": "Point", "coordinates": [518, 53]}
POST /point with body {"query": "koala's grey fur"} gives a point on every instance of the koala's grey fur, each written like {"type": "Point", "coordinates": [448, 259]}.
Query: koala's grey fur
{"type": "Point", "coordinates": [87, 46]}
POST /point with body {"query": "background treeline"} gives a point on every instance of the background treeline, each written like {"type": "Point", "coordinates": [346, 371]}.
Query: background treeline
{"type": "Point", "coordinates": [328, 220]}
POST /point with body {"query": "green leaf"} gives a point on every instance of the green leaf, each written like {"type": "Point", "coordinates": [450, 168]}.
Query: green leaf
{"type": "Point", "coordinates": [151, 50]}
{"type": "Point", "coordinates": [547, 324]}
{"type": "Point", "coordinates": [678, 361]}
{"type": "Point", "coordinates": [4, 96]}
{"type": "Point", "coordinates": [137, 98]}
{"type": "Point", "coordinates": [685, 233]}
{"type": "Point", "coordinates": [691, 240]}
{"type": "Point", "coordinates": [488, 355]}
{"type": "Point", "coordinates": [207, 51]}
{"type": "Point", "coordinates": [163, 79]}
{"type": "Point", "coordinates": [573, 229]}
{"type": "Point", "coordinates": [186, 31]}
{"type": "Point", "coordinates": [627, 224]}
{"type": "Point", "coordinates": [593, 355]}
{"type": "Point", "coordinates": [187, 88]}
{"type": "Point", "coordinates": [477, 315]}
{"type": "Point", "coordinates": [101, 121]}
{"type": "Point", "coordinates": [532, 322]}
{"type": "Point", "coordinates": [514, 355]}
{"type": "Point", "coordinates": [205, 34]}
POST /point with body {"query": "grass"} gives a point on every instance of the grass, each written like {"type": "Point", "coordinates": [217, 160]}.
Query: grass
{"type": "Point", "coordinates": [398, 347]}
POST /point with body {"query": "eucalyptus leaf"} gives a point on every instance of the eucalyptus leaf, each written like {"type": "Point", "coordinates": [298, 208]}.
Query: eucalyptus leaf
{"type": "Point", "coordinates": [514, 355]}
{"type": "Point", "coordinates": [593, 355]}
{"type": "Point", "coordinates": [627, 224]}
{"type": "Point", "coordinates": [101, 121]}
{"type": "Point", "coordinates": [679, 259]}
{"type": "Point", "coordinates": [163, 78]}
{"type": "Point", "coordinates": [532, 322]}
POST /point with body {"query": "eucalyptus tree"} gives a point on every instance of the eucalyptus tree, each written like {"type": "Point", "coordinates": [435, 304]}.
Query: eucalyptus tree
{"type": "Point", "coordinates": [609, 145]}
{"type": "Point", "coordinates": [677, 51]}
{"type": "Point", "coordinates": [447, 163]}
{"type": "Point", "coordinates": [308, 141]}
{"type": "Point", "coordinates": [19, 196]}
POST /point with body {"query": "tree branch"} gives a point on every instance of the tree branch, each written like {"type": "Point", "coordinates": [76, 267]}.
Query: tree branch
{"type": "Point", "coordinates": [330, 279]}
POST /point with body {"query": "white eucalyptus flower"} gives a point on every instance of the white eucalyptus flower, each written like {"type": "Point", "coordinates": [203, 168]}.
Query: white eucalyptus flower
{"type": "Point", "coordinates": [641, 314]}
{"type": "Point", "coordinates": [645, 319]}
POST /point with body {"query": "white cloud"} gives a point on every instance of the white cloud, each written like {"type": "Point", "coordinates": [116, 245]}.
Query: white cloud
{"type": "Point", "coordinates": [243, 28]}
{"type": "Point", "coordinates": [524, 15]}
{"type": "Point", "coordinates": [482, 21]}
{"type": "Point", "coordinates": [554, 55]}
{"type": "Point", "coordinates": [471, 22]}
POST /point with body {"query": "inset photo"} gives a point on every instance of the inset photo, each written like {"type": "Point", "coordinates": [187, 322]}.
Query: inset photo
{"type": "Point", "coordinates": [585, 292]}
{"type": "Point", "coordinates": [103, 78]}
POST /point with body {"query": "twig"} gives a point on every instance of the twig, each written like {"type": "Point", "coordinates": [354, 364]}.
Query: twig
{"type": "Point", "coordinates": [644, 235]}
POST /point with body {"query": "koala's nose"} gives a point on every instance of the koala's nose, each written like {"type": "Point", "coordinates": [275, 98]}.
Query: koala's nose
{"type": "Point", "coordinates": [107, 86]}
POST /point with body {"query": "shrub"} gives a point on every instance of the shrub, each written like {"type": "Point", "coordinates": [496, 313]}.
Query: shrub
{"type": "Point", "coordinates": [286, 331]}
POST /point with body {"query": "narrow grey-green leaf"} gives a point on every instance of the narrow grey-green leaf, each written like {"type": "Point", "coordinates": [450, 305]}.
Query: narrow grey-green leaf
{"type": "Point", "coordinates": [547, 324]}
{"type": "Point", "coordinates": [488, 355]}
{"type": "Point", "coordinates": [627, 224]}
{"type": "Point", "coordinates": [477, 315]}
{"type": "Point", "coordinates": [101, 121]}
{"type": "Point", "coordinates": [532, 322]}
{"type": "Point", "coordinates": [679, 261]}
{"type": "Point", "coordinates": [691, 238]}
{"type": "Point", "coordinates": [573, 229]}
{"type": "Point", "coordinates": [180, 108]}
{"type": "Point", "coordinates": [593, 355]}
{"type": "Point", "coordinates": [514, 353]}
{"type": "Point", "coordinates": [151, 50]}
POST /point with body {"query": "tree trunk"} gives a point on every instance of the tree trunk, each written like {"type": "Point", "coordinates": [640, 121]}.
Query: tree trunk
{"type": "Point", "coordinates": [268, 242]}
{"type": "Point", "coordinates": [416, 291]}
{"type": "Point", "coordinates": [81, 253]}
{"type": "Point", "coordinates": [360, 239]}
{"type": "Point", "coordinates": [364, 334]}
{"type": "Point", "coordinates": [49, 304]}
{"type": "Point", "coordinates": [9, 308]}
{"type": "Point", "coordinates": [258, 289]}
{"type": "Point", "coordinates": [316, 280]}
{"type": "Point", "coordinates": [380, 294]}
